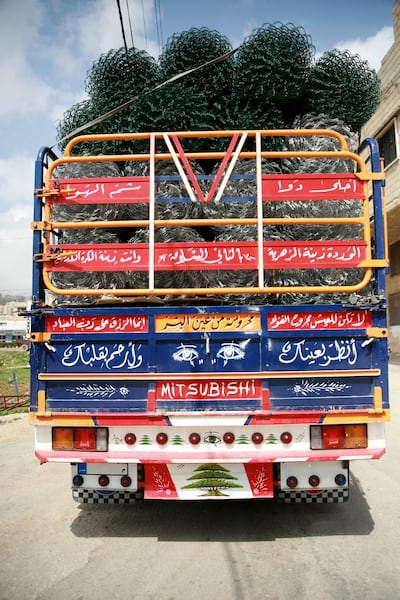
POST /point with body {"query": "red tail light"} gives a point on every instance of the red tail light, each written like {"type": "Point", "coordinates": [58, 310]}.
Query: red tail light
{"type": "Point", "coordinates": [85, 439]}
{"type": "Point", "coordinates": [331, 437]}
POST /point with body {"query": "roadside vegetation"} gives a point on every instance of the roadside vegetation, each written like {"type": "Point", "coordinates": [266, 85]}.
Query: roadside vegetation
{"type": "Point", "coordinates": [14, 380]}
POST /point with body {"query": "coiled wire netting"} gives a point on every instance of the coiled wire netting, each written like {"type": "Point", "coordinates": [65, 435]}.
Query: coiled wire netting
{"type": "Point", "coordinates": [273, 81]}
{"type": "Point", "coordinates": [343, 86]}
{"type": "Point", "coordinates": [238, 201]}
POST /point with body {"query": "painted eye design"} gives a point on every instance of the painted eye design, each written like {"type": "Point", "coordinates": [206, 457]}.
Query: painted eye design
{"type": "Point", "coordinates": [212, 438]}
{"type": "Point", "coordinates": [230, 352]}
{"type": "Point", "coordinates": [186, 354]}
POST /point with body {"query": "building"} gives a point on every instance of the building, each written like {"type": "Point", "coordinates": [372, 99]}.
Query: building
{"type": "Point", "coordinates": [13, 328]}
{"type": "Point", "coordinates": [384, 126]}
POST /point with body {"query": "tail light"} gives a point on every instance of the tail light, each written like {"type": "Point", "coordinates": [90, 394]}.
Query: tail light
{"type": "Point", "coordinates": [126, 481]}
{"type": "Point", "coordinates": [331, 437]}
{"type": "Point", "coordinates": [314, 480]}
{"type": "Point", "coordinates": [292, 482]}
{"type": "Point", "coordinates": [85, 439]}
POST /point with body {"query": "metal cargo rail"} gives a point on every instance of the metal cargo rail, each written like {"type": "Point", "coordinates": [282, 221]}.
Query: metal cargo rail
{"type": "Point", "coordinates": [209, 197]}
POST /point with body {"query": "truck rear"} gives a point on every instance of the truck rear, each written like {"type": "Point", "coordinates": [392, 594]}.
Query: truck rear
{"type": "Point", "coordinates": [209, 314]}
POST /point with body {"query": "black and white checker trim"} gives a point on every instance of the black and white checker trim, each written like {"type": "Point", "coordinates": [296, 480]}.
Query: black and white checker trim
{"type": "Point", "coordinates": [333, 496]}
{"type": "Point", "coordinates": [92, 497]}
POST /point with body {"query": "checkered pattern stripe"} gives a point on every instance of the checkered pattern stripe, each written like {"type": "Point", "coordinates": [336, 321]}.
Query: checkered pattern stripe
{"type": "Point", "coordinates": [334, 496]}
{"type": "Point", "coordinates": [93, 497]}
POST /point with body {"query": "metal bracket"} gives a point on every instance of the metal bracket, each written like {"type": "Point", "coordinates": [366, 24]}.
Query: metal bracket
{"type": "Point", "coordinates": [374, 262]}
{"type": "Point", "coordinates": [53, 192]}
{"type": "Point", "coordinates": [56, 254]}
{"type": "Point", "coordinates": [370, 176]}
{"type": "Point", "coordinates": [39, 336]}
{"type": "Point", "coordinates": [377, 332]}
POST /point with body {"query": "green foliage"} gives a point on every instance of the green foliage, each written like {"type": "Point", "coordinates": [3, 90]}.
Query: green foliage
{"type": "Point", "coordinates": [14, 360]}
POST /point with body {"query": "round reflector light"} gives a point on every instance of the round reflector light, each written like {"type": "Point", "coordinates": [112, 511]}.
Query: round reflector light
{"type": "Point", "coordinates": [340, 479]}
{"type": "Point", "coordinates": [314, 480]}
{"type": "Point", "coordinates": [257, 438]}
{"type": "Point", "coordinates": [286, 437]}
{"type": "Point", "coordinates": [130, 439]}
{"type": "Point", "coordinates": [162, 438]}
{"type": "Point", "coordinates": [77, 480]}
{"type": "Point", "coordinates": [292, 482]}
{"type": "Point", "coordinates": [104, 480]}
{"type": "Point", "coordinates": [228, 437]}
{"type": "Point", "coordinates": [194, 438]}
{"type": "Point", "coordinates": [126, 481]}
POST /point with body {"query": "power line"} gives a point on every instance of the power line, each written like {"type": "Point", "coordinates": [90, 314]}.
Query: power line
{"type": "Point", "coordinates": [130, 24]}
{"type": "Point", "coordinates": [157, 12]}
{"type": "Point", "coordinates": [122, 25]}
{"type": "Point", "coordinates": [144, 25]}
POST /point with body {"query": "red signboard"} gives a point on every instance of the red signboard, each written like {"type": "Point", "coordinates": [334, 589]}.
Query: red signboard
{"type": "Point", "coordinates": [229, 389]}
{"type": "Point", "coordinates": [100, 191]}
{"type": "Point", "coordinates": [186, 256]}
{"type": "Point", "coordinates": [313, 186]}
{"type": "Point", "coordinates": [304, 321]}
{"type": "Point", "coordinates": [97, 324]}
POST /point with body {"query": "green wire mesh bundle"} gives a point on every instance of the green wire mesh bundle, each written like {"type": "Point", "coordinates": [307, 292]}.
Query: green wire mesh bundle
{"type": "Point", "coordinates": [77, 116]}
{"type": "Point", "coordinates": [343, 86]}
{"type": "Point", "coordinates": [190, 49]}
{"type": "Point", "coordinates": [201, 100]}
{"type": "Point", "coordinates": [116, 77]}
{"type": "Point", "coordinates": [272, 68]}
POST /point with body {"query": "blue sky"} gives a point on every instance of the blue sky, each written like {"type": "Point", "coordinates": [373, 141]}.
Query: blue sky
{"type": "Point", "coordinates": [47, 47]}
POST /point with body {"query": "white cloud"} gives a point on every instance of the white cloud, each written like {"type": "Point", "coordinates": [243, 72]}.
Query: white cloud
{"type": "Point", "coordinates": [16, 182]}
{"type": "Point", "coordinates": [25, 90]}
{"type": "Point", "coordinates": [16, 246]}
{"type": "Point", "coordinates": [371, 49]}
{"type": "Point", "coordinates": [16, 203]}
{"type": "Point", "coordinates": [100, 28]}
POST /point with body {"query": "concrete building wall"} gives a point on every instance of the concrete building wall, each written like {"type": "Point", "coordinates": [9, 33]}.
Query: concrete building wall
{"type": "Point", "coordinates": [385, 117]}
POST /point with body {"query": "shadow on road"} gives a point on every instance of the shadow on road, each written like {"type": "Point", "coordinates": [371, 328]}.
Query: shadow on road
{"type": "Point", "coordinates": [227, 521]}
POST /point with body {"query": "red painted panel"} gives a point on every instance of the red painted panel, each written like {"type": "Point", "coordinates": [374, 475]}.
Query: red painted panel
{"type": "Point", "coordinates": [97, 324]}
{"type": "Point", "coordinates": [186, 256]}
{"type": "Point", "coordinates": [101, 190]}
{"type": "Point", "coordinates": [159, 483]}
{"type": "Point", "coordinates": [260, 476]}
{"type": "Point", "coordinates": [312, 186]}
{"type": "Point", "coordinates": [305, 321]}
{"type": "Point", "coordinates": [208, 389]}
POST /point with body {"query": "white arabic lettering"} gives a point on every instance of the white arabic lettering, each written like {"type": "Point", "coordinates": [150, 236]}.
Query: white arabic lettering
{"type": "Point", "coordinates": [114, 357]}
{"type": "Point", "coordinates": [319, 353]}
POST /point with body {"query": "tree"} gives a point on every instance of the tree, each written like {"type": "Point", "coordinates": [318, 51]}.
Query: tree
{"type": "Point", "coordinates": [212, 478]}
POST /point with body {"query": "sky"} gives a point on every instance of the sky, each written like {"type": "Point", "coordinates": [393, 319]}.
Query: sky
{"type": "Point", "coordinates": [48, 46]}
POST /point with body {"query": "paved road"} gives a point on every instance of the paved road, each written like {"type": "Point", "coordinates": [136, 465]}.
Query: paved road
{"type": "Point", "coordinates": [54, 549]}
